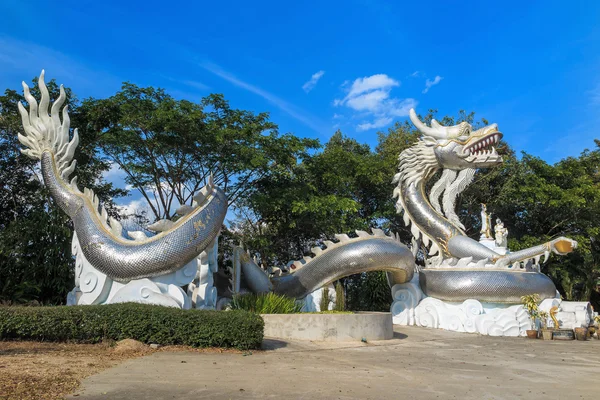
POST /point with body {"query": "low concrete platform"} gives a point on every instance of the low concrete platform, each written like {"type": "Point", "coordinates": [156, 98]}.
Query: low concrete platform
{"type": "Point", "coordinates": [417, 363]}
{"type": "Point", "coordinates": [330, 327]}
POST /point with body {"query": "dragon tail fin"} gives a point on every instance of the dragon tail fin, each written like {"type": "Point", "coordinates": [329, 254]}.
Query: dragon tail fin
{"type": "Point", "coordinates": [45, 131]}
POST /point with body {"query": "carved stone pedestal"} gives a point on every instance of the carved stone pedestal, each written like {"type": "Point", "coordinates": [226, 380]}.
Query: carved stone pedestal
{"type": "Point", "coordinates": [94, 287]}
{"type": "Point", "coordinates": [412, 307]}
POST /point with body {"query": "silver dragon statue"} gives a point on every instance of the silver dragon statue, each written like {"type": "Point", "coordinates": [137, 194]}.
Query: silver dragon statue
{"type": "Point", "coordinates": [458, 267]}
{"type": "Point", "coordinates": [100, 243]}
{"type": "Point", "coordinates": [47, 138]}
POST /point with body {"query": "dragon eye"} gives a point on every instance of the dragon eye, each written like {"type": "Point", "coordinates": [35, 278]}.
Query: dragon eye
{"type": "Point", "coordinates": [465, 129]}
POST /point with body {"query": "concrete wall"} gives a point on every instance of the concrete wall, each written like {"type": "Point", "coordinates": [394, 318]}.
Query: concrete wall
{"type": "Point", "coordinates": [330, 327]}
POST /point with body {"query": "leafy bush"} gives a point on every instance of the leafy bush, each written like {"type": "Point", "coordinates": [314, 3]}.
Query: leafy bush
{"type": "Point", "coordinates": [368, 291]}
{"type": "Point", "coordinates": [325, 299]}
{"type": "Point", "coordinates": [146, 323]}
{"type": "Point", "coordinates": [340, 300]}
{"type": "Point", "coordinates": [266, 303]}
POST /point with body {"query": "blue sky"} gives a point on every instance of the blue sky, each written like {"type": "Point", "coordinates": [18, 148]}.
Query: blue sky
{"type": "Point", "coordinates": [531, 66]}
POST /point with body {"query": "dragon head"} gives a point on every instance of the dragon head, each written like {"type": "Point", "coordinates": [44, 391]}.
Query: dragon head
{"type": "Point", "coordinates": [458, 147]}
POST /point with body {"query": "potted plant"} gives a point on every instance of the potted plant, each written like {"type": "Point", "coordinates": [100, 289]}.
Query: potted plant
{"type": "Point", "coordinates": [597, 321]}
{"type": "Point", "coordinates": [546, 332]}
{"type": "Point", "coordinates": [581, 333]}
{"type": "Point", "coordinates": [530, 302]}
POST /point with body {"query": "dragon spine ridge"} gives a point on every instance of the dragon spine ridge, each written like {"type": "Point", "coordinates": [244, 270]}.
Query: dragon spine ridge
{"type": "Point", "coordinates": [342, 239]}
{"type": "Point", "coordinates": [366, 252]}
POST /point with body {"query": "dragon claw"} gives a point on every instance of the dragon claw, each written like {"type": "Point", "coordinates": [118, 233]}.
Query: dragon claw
{"type": "Point", "coordinates": [563, 245]}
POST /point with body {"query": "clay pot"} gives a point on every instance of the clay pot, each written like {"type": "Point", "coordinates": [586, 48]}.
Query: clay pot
{"type": "Point", "coordinates": [581, 333]}
{"type": "Point", "coordinates": [532, 333]}
{"type": "Point", "coordinates": [547, 334]}
{"type": "Point", "coordinates": [591, 331]}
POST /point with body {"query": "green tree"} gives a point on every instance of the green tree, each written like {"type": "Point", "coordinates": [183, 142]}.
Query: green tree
{"type": "Point", "coordinates": [168, 147]}
{"type": "Point", "coordinates": [298, 207]}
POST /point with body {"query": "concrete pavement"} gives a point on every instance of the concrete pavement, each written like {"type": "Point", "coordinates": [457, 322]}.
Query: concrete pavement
{"type": "Point", "coordinates": [418, 363]}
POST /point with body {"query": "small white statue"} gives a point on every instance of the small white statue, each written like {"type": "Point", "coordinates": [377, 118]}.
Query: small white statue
{"type": "Point", "coordinates": [486, 223]}
{"type": "Point", "coordinates": [501, 233]}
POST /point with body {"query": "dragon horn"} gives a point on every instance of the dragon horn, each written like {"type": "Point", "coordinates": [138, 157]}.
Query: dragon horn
{"type": "Point", "coordinates": [436, 130]}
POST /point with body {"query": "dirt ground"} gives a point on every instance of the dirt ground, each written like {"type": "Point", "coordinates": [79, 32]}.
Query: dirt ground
{"type": "Point", "coordinates": [47, 371]}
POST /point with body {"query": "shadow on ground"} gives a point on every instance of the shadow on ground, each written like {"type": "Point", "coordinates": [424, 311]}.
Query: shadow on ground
{"type": "Point", "coordinates": [273, 344]}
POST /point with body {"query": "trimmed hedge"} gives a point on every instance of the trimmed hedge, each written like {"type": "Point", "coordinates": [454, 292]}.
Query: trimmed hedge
{"type": "Point", "coordinates": [143, 322]}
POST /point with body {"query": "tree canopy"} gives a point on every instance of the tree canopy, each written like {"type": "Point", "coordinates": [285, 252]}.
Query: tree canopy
{"type": "Point", "coordinates": [168, 147]}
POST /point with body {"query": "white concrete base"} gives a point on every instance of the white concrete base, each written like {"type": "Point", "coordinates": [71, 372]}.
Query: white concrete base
{"type": "Point", "coordinates": [412, 307]}
{"type": "Point", "coordinates": [329, 327]}
{"type": "Point", "coordinates": [94, 287]}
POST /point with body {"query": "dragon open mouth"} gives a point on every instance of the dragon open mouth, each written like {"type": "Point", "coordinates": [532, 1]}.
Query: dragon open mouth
{"type": "Point", "coordinates": [479, 147]}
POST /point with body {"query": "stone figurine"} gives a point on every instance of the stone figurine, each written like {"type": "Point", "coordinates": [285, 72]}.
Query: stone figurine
{"type": "Point", "coordinates": [501, 234]}
{"type": "Point", "coordinates": [486, 232]}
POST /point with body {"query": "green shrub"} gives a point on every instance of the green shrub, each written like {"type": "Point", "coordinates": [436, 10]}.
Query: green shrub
{"type": "Point", "coordinates": [146, 323]}
{"type": "Point", "coordinates": [368, 291]}
{"type": "Point", "coordinates": [266, 303]}
{"type": "Point", "coordinates": [340, 300]}
{"type": "Point", "coordinates": [325, 299]}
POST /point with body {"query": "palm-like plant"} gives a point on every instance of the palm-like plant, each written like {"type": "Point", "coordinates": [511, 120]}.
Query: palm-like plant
{"type": "Point", "coordinates": [530, 302]}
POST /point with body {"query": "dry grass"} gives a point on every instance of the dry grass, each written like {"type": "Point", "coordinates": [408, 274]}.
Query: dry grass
{"type": "Point", "coordinates": [33, 370]}
{"type": "Point", "coordinates": [48, 371]}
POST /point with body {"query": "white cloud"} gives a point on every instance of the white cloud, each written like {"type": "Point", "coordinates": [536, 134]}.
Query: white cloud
{"type": "Point", "coordinates": [416, 74]}
{"type": "Point", "coordinates": [114, 172]}
{"type": "Point", "coordinates": [373, 82]}
{"type": "Point", "coordinates": [134, 207]}
{"type": "Point", "coordinates": [116, 176]}
{"type": "Point", "coordinates": [371, 101]}
{"type": "Point", "coordinates": [370, 97]}
{"type": "Point", "coordinates": [310, 85]}
{"type": "Point", "coordinates": [295, 112]}
{"type": "Point", "coordinates": [378, 123]}
{"type": "Point", "coordinates": [429, 83]}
